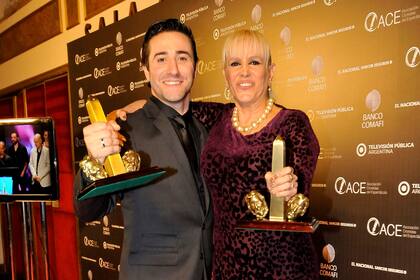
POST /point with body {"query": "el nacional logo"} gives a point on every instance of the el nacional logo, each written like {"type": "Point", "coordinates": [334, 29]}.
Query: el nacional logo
{"type": "Point", "coordinates": [373, 21]}
{"type": "Point", "coordinates": [376, 228]}
{"type": "Point", "coordinates": [405, 188]}
{"type": "Point", "coordinates": [328, 269]}
{"type": "Point", "coordinates": [412, 57]}
{"type": "Point", "coordinates": [373, 119]}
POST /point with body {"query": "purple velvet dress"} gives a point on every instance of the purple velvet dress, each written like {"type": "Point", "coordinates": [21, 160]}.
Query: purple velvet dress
{"type": "Point", "coordinates": [232, 165]}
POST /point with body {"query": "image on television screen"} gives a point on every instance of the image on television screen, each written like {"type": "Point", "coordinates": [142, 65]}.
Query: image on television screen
{"type": "Point", "coordinates": [28, 160]}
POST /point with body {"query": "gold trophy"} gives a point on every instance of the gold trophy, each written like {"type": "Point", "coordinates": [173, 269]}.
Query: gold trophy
{"type": "Point", "coordinates": [117, 173]}
{"type": "Point", "coordinates": [282, 216]}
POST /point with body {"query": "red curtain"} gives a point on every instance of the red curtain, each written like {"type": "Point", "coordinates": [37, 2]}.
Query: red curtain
{"type": "Point", "coordinates": [49, 99]}
{"type": "Point", "coordinates": [63, 230]}
{"type": "Point", "coordinates": [35, 101]}
{"type": "Point", "coordinates": [6, 108]}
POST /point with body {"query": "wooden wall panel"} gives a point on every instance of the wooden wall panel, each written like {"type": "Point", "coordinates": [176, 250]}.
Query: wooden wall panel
{"type": "Point", "coordinates": [10, 7]}
{"type": "Point", "coordinates": [23, 36]}
{"type": "Point", "coordinates": [94, 7]}
{"type": "Point", "coordinates": [72, 13]}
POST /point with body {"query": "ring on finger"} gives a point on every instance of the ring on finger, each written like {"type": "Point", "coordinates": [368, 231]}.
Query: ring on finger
{"type": "Point", "coordinates": [273, 178]}
{"type": "Point", "coordinates": [103, 142]}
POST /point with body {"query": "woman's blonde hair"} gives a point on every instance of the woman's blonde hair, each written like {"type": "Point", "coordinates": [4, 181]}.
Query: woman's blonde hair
{"type": "Point", "coordinates": [246, 39]}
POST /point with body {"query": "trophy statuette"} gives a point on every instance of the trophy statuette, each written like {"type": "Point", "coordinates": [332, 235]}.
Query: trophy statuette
{"type": "Point", "coordinates": [117, 173]}
{"type": "Point", "coordinates": [282, 216]}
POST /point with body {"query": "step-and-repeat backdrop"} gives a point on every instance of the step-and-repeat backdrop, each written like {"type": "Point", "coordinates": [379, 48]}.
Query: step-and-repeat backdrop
{"type": "Point", "coordinates": [352, 66]}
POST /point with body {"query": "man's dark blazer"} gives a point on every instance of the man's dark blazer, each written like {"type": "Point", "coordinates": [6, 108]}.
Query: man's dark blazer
{"type": "Point", "coordinates": [167, 234]}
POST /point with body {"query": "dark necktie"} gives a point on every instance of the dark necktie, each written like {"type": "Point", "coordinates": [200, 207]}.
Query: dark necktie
{"type": "Point", "coordinates": [38, 156]}
{"type": "Point", "coordinates": [189, 148]}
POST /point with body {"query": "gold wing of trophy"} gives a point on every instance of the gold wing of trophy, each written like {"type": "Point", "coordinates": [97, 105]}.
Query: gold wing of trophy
{"type": "Point", "coordinates": [296, 206]}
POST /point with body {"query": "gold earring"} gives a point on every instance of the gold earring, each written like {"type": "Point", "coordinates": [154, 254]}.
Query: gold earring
{"type": "Point", "coordinates": [227, 93]}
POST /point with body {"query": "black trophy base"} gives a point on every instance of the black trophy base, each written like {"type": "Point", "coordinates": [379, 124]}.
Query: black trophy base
{"type": "Point", "coordinates": [308, 225]}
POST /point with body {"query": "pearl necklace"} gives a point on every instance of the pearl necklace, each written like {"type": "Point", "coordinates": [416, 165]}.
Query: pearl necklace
{"type": "Point", "coordinates": [254, 124]}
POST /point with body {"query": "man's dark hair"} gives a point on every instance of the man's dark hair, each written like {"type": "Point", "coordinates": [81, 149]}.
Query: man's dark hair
{"type": "Point", "coordinates": [168, 25]}
{"type": "Point", "coordinates": [14, 132]}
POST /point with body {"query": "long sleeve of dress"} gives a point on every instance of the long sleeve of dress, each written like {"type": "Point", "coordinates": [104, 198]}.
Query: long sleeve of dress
{"type": "Point", "coordinates": [302, 149]}
{"type": "Point", "coordinates": [208, 112]}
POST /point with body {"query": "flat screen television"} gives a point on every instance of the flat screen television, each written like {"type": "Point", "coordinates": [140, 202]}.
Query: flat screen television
{"type": "Point", "coordinates": [28, 160]}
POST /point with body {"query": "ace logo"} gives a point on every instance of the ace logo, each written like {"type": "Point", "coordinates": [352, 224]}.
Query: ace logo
{"type": "Point", "coordinates": [373, 21]}
{"type": "Point", "coordinates": [412, 57]}
{"type": "Point", "coordinates": [375, 228]}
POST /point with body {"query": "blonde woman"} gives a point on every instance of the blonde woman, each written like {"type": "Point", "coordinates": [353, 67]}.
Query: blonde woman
{"type": "Point", "coordinates": [237, 159]}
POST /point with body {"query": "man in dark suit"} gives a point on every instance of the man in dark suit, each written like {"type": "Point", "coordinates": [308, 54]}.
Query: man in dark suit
{"type": "Point", "coordinates": [19, 154]}
{"type": "Point", "coordinates": [5, 159]}
{"type": "Point", "coordinates": [168, 224]}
